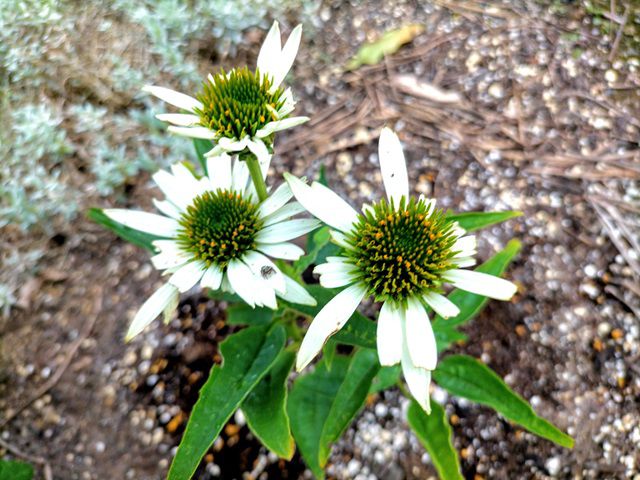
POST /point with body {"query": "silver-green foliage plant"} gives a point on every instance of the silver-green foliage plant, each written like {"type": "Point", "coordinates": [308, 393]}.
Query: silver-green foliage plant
{"type": "Point", "coordinates": [226, 226]}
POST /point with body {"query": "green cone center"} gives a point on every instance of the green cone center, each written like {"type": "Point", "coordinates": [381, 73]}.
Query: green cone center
{"type": "Point", "coordinates": [219, 227]}
{"type": "Point", "coordinates": [239, 103]}
{"type": "Point", "coordinates": [402, 252]}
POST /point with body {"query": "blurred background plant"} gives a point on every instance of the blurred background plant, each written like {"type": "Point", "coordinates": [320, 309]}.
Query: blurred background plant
{"type": "Point", "coordinates": [73, 124]}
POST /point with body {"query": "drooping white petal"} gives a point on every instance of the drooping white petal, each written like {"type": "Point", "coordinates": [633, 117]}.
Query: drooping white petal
{"type": "Point", "coordinates": [219, 172]}
{"type": "Point", "coordinates": [231, 145]}
{"type": "Point", "coordinates": [172, 189]}
{"type": "Point", "coordinates": [242, 282]}
{"type": "Point", "coordinates": [340, 239]}
{"type": "Point", "coordinates": [296, 293]}
{"type": "Point", "coordinates": [389, 335]}
{"type": "Point", "coordinates": [265, 295]}
{"type": "Point", "coordinates": [441, 304]}
{"type": "Point", "coordinates": [283, 231]}
{"type": "Point", "coordinates": [465, 246]}
{"type": "Point", "coordinates": [179, 119]}
{"type": "Point", "coordinates": [187, 275]}
{"type": "Point", "coordinates": [289, 104]}
{"type": "Point", "coordinates": [323, 203]}
{"type": "Point", "coordinates": [464, 262]}
{"type": "Point", "coordinates": [144, 221]}
{"type": "Point", "coordinates": [193, 132]}
{"type": "Point", "coordinates": [393, 166]}
{"type": "Point", "coordinates": [284, 250]}
{"type": "Point", "coordinates": [279, 125]}
{"type": "Point", "coordinates": [240, 176]}
{"type": "Point", "coordinates": [287, 56]}
{"type": "Point", "coordinates": [420, 338]}
{"type": "Point", "coordinates": [264, 268]}
{"type": "Point", "coordinates": [337, 279]}
{"type": "Point", "coordinates": [212, 277]}
{"type": "Point", "coordinates": [288, 211]}
{"type": "Point", "coordinates": [418, 380]}
{"type": "Point", "coordinates": [328, 321]}
{"type": "Point", "coordinates": [270, 52]}
{"type": "Point", "coordinates": [174, 98]}
{"type": "Point", "coordinates": [259, 149]}
{"type": "Point", "coordinates": [168, 208]}
{"type": "Point", "coordinates": [168, 259]}
{"type": "Point", "coordinates": [154, 306]}
{"type": "Point", "coordinates": [185, 179]}
{"type": "Point", "coordinates": [275, 201]}
{"type": "Point", "coordinates": [481, 284]}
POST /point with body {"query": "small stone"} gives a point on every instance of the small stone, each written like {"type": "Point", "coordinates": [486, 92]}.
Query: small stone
{"type": "Point", "coordinates": [611, 76]}
{"type": "Point", "coordinates": [496, 90]}
{"type": "Point", "coordinates": [553, 466]}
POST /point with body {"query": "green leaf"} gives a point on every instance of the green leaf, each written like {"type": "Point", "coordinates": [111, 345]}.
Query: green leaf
{"type": "Point", "coordinates": [385, 378]}
{"type": "Point", "coordinates": [322, 175]}
{"type": "Point", "coordinates": [466, 377]}
{"type": "Point", "coordinates": [309, 404]}
{"type": "Point", "coordinates": [248, 355]}
{"type": "Point", "coordinates": [243, 314]}
{"type": "Point", "coordinates": [471, 221]}
{"type": "Point", "coordinates": [131, 235]}
{"type": "Point", "coordinates": [265, 408]}
{"type": "Point", "coordinates": [359, 331]}
{"type": "Point", "coordinates": [329, 352]}
{"type": "Point", "coordinates": [434, 433]}
{"type": "Point", "coordinates": [390, 42]}
{"type": "Point", "coordinates": [13, 470]}
{"type": "Point", "coordinates": [470, 304]}
{"type": "Point", "coordinates": [349, 400]}
{"type": "Point", "coordinates": [446, 335]}
{"type": "Point", "coordinates": [202, 146]}
{"type": "Point", "coordinates": [319, 247]}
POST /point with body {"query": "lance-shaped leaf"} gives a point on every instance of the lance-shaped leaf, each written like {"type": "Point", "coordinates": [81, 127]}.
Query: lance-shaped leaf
{"type": "Point", "coordinates": [466, 377]}
{"type": "Point", "coordinates": [201, 147]}
{"type": "Point", "coordinates": [390, 42]}
{"type": "Point", "coordinates": [248, 355]}
{"type": "Point", "coordinates": [385, 378]}
{"type": "Point", "coordinates": [265, 408]}
{"type": "Point", "coordinates": [141, 239]}
{"type": "Point", "coordinates": [13, 470]}
{"type": "Point", "coordinates": [243, 314]}
{"type": "Point", "coordinates": [470, 304]}
{"type": "Point", "coordinates": [471, 221]}
{"type": "Point", "coordinates": [310, 401]}
{"type": "Point", "coordinates": [319, 247]}
{"type": "Point", "coordinates": [349, 400]}
{"type": "Point", "coordinates": [434, 433]}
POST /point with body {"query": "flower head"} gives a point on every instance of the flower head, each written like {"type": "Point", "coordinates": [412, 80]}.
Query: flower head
{"type": "Point", "coordinates": [216, 233]}
{"type": "Point", "coordinates": [241, 109]}
{"type": "Point", "coordinates": [401, 251]}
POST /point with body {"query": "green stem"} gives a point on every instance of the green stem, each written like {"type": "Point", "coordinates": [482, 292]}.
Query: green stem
{"type": "Point", "coordinates": [403, 389]}
{"type": "Point", "coordinates": [256, 176]}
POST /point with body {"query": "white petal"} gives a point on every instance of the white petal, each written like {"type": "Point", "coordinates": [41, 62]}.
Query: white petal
{"type": "Point", "coordinates": [242, 281]}
{"type": "Point", "coordinates": [170, 258]}
{"type": "Point", "coordinates": [144, 221]}
{"type": "Point", "coordinates": [275, 201]}
{"type": "Point", "coordinates": [283, 231]}
{"type": "Point", "coordinates": [328, 321]}
{"type": "Point", "coordinates": [334, 267]}
{"type": "Point", "coordinates": [240, 176]}
{"type": "Point", "coordinates": [284, 250]}
{"type": "Point", "coordinates": [187, 182]}
{"type": "Point", "coordinates": [464, 262]}
{"type": "Point", "coordinates": [340, 239]}
{"type": "Point", "coordinates": [323, 203]}
{"type": "Point", "coordinates": [393, 166]}
{"type": "Point", "coordinates": [288, 211]}
{"type": "Point", "coordinates": [336, 280]}
{"type": "Point", "coordinates": [167, 208]}
{"type": "Point", "coordinates": [193, 132]}
{"type": "Point", "coordinates": [465, 246]}
{"type": "Point", "coordinates": [232, 145]}
{"type": "Point", "coordinates": [296, 293]}
{"type": "Point", "coordinates": [481, 284]}
{"type": "Point", "coordinates": [279, 125]}
{"type": "Point", "coordinates": [420, 338]}
{"type": "Point", "coordinates": [154, 306]}
{"type": "Point", "coordinates": [418, 380]}
{"type": "Point", "coordinates": [219, 172]}
{"type": "Point", "coordinates": [287, 56]}
{"type": "Point", "coordinates": [289, 104]}
{"type": "Point", "coordinates": [172, 189]}
{"type": "Point", "coordinates": [264, 268]}
{"type": "Point", "coordinates": [187, 276]}
{"type": "Point", "coordinates": [259, 149]}
{"type": "Point", "coordinates": [180, 119]}
{"type": "Point", "coordinates": [389, 335]}
{"type": "Point", "coordinates": [174, 98]}
{"type": "Point", "coordinates": [212, 277]}
{"type": "Point", "coordinates": [441, 305]}
{"type": "Point", "coordinates": [269, 56]}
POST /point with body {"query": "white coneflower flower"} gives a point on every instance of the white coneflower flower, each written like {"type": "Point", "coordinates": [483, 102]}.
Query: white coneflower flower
{"type": "Point", "coordinates": [400, 251]}
{"type": "Point", "coordinates": [216, 233]}
{"type": "Point", "coordinates": [241, 109]}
